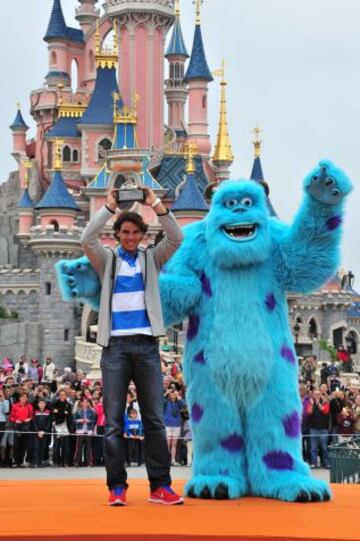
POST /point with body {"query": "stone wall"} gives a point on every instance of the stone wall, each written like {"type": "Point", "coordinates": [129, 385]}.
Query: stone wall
{"type": "Point", "coordinates": [19, 338]}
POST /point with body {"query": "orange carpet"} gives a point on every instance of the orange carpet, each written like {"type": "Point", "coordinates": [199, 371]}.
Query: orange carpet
{"type": "Point", "coordinates": [77, 510]}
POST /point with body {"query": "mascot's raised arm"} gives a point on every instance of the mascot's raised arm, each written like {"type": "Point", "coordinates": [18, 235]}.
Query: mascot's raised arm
{"type": "Point", "coordinates": [230, 278]}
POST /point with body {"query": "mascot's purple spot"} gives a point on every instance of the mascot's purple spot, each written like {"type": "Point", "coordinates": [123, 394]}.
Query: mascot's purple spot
{"type": "Point", "coordinates": [333, 222]}
{"type": "Point", "coordinates": [287, 354]}
{"type": "Point", "coordinates": [278, 460]}
{"type": "Point", "coordinates": [292, 425]}
{"type": "Point", "coordinates": [205, 284]}
{"type": "Point", "coordinates": [196, 413]}
{"type": "Point", "coordinates": [233, 443]}
{"type": "Point", "coordinates": [270, 302]}
{"type": "Point", "coordinates": [193, 328]}
{"type": "Point", "coordinates": [200, 358]}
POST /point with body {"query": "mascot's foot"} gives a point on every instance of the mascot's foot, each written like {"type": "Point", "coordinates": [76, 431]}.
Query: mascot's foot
{"type": "Point", "coordinates": [218, 487]}
{"type": "Point", "coordinates": [294, 488]}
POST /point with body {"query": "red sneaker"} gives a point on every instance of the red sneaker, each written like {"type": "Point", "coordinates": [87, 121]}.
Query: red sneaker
{"type": "Point", "coordinates": [117, 496]}
{"type": "Point", "coordinates": [165, 495]}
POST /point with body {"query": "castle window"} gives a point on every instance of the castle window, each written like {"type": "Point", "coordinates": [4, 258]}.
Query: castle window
{"type": "Point", "coordinates": [75, 156]}
{"type": "Point", "coordinates": [66, 154]}
{"type": "Point", "coordinates": [47, 288]}
{"type": "Point", "coordinates": [104, 145]}
{"type": "Point", "coordinates": [91, 61]}
{"type": "Point", "coordinates": [55, 223]}
{"type": "Point", "coordinates": [53, 58]}
{"type": "Point", "coordinates": [172, 71]}
{"type": "Point", "coordinates": [313, 331]}
{"type": "Point", "coordinates": [177, 71]}
{"type": "Point", "coordinates": [204, 102]}
{"type": "Point", "coordinates": [66, 335]}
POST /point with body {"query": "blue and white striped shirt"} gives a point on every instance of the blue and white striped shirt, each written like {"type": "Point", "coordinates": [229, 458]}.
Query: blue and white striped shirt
{"type": "Point", "coordinates": [129, 315]}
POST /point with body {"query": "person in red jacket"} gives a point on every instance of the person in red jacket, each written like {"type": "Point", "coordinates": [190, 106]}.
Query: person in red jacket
{"type": "Point", "coordinates": [21, 414]}
{"type": "Point", "coordinates": [318, 415]}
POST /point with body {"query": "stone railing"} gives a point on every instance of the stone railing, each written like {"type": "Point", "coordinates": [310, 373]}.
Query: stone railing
{"type": "Point", "coordinates": [87, 357]}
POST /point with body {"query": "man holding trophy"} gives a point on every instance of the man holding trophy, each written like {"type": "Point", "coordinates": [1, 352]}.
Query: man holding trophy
{"type": "Point", "coordinates": [130, 320]}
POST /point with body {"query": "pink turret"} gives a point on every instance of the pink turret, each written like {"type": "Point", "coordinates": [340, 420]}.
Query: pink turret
{"type": "Point", "coordinates": [198, 76]}
{"type": "Point", "coordinates": [19, 129]}
{"type": "Point", "coordinates": [25, 206]}
{"type": "Point", "coordinates": [176, 91]}
{"type": "Point", "coordinates": [144, 25]}
{"type": "Point", "coordinates": [87, 14]}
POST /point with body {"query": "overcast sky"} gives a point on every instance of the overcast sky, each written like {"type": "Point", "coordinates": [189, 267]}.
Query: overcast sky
{"type": "Point", "coordinates": [293, 67]}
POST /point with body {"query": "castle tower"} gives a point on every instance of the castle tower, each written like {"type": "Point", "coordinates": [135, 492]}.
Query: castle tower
{"type": "Point", "coordinates": [198, 77]}
{"type": "Point", "coordinates": [56, 236]}
{"type": "Point", "coordinates": [257, 173]}
{"type": "Point", "coordinates": [25, 207]}
{"type": "Point", "coordinates": [87, 14]}
{"type": "Point", "coordinates": [96, 123]}
{"type": "Point", "coordinates": [144, 25]}
{"type": "Point", "coordinates": [19, 129]}
{"type": "Point", "coordinates": [223, 156]}
{"type": "Point", "coordinates": [190, 206]}
{"type": "Point", "coordinates": [175, 88]}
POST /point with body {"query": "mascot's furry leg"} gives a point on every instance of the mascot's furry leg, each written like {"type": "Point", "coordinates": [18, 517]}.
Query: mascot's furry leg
{"type": "Point", "coordinates": [218, 467]}
{"type": "Point", "coordinates": [273, 441]}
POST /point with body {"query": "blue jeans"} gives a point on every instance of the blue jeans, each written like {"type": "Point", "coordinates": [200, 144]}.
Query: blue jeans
{"type": "Point", "coordinates": [134, 358]}
{"type": "Point", "coordinates": [319, 437]}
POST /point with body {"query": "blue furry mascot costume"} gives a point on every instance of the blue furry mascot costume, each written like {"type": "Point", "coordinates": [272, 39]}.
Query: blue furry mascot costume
{"type": "Point", "coordinates": [230, 277]}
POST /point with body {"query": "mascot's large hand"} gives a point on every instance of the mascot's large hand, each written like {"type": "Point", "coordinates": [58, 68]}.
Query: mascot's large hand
{"type": "Point", "coordinates": [327, 184]}
{"type": "Point", "coordinates": [78, 281]}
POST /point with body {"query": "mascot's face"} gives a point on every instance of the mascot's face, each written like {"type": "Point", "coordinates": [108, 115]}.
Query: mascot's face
{"type": "Point", "coordinates": [237, 226]}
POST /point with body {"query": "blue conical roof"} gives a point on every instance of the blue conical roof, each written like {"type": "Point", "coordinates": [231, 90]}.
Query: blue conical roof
{"type": "Point", "coordinates": [57, 195]}
{"type": "Point", "coordinates": [101, 107]}
{"type": "Point", "coordinates": [64, 127]}
{"type": "Point", "coordinates": [57, 28]}
{"type": "Point", "coordinates": [25, 201]}
{"type": "Point", "coordinates": [198, 68]}
{"type": "Point", "coordinates": [19, 122]}
{"type": "Point", "coordinates": [256, 173]}
{"type": "Point", "coordinates": [190, 197]}
{"type": "Point", "coordinates": [177, 45]}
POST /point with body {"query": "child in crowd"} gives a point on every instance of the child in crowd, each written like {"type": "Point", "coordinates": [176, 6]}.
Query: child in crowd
{"type": "Point", "coordinates": [133, 432]}
{"type": "Point", "coordinates": [84, 418]}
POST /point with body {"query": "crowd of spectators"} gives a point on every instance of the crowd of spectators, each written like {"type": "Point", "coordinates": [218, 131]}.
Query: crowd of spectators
{"type": "Point", "coordinates": [48, 418]}
{"type": "Point", "coordinates": [331, 408]}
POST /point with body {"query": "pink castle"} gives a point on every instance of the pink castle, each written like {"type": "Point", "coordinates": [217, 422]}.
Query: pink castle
{"type": "Point", "coordinates": [125, 51]}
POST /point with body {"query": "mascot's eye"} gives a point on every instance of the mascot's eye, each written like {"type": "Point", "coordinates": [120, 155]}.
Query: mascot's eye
{"type": "Point", "coordinates": [231, 203]}
{"type": "Point", "coordinates": [246, 201]}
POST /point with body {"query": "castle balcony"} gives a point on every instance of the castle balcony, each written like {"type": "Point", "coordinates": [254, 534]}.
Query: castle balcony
{"type": "Point", "coordinates": [51, 240]}
{"type": "Point", "coordinates": [159, 7]}
{"type": "Point", "coordinates": [87, 357]}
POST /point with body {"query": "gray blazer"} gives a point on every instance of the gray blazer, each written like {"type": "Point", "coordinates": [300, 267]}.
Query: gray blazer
{"type": "Point", "coordinates": [151, 260]}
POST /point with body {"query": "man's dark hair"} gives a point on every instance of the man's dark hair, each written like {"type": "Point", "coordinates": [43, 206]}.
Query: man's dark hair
{"type": "Point", "coordinates": [133, 217]}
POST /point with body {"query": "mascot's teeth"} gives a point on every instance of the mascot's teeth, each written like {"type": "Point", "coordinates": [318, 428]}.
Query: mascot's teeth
{"type": "Point", "coordinates": [240, 231]}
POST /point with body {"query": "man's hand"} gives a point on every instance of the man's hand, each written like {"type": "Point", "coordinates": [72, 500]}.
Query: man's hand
{"type": "Point", "coordinates": [111, 200]}
{"type": "Point", "coordinates": [149, 199]}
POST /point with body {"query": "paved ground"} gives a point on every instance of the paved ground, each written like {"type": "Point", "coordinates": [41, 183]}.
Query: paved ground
{"type": "Point", "coordinates": [179, 472]}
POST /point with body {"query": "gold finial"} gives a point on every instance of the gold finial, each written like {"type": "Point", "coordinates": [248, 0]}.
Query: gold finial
{"type": "Point", "coordinates": [198, 4]}
{"type": "Point", "coordinates": [223, 151]}
{"type": "Point", "coordinates": [18, 106]}
{"type": "Point", "coordinates": [257, 141]}
{"type": "Point", "coordinates": [58, 157]}
{"type": "Point", "coordinates": [125, 115]}
{"type": "Point", "coordinates": [191, 150]}
{"type": "Point", "coordinates": [106, 57]}
{"type": "Point", "coordinates": [28, 166]}
{"type": "Point", "coordinates": [177, 8]}
{"type": "Point", "coordinates": [115, 27]}
{"type": "Point", "coordinates": [97, 38]}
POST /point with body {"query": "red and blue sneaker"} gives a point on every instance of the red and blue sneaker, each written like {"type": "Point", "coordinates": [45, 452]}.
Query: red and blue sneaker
{"type": "Point", "coordinates": [166, 496]}
{"type": "Point", "coordinates": [117, 496]}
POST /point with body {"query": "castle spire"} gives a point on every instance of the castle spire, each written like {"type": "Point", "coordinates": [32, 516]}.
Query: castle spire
{"type": "Point", "coordinates": [223, 152]}
{"type": "Point", "coordinates": [198, 67]}
{"type": "Point", "coordinates": [177, 45]}
{"type": "Point", "coordinates": [106, 58]}
{"type": "Point", "coordinates": [57, 28]}
{"type": "Point", "coordinates": [190, 200]}
{"type": "Point", "coordinates": [19, 122]}
{"type": "Point", "coordinates": [257, 173]}
{"type": "Point", "coordinates": [198, 4]}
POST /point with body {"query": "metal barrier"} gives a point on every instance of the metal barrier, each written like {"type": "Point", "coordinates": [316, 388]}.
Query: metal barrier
{"type": "Point", "coordinates": [344, 460]}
